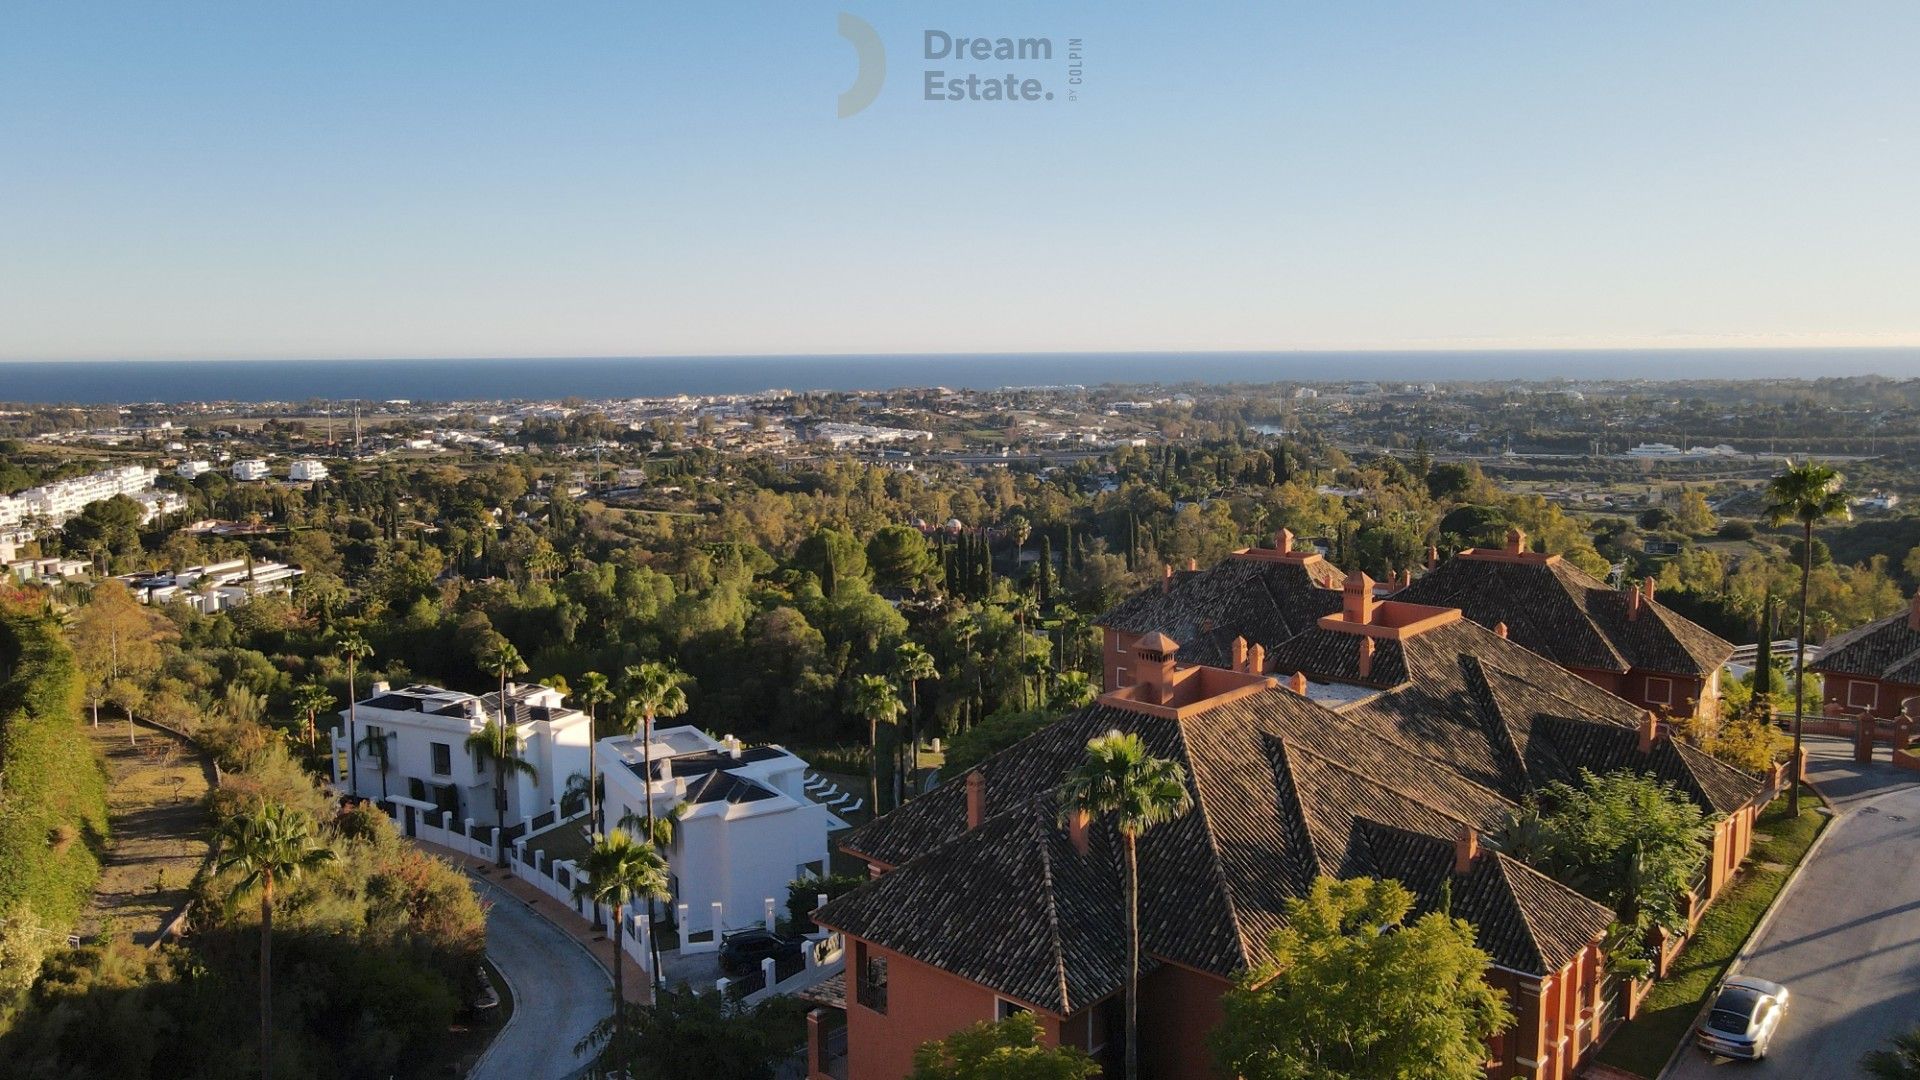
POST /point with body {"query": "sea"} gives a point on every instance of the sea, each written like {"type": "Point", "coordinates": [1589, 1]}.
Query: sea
{"type": "Point", "coordinates": [92, 382]}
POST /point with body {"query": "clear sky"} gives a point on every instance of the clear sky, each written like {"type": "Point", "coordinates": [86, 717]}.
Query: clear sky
{"type": "Point", "coordinates": [411, 178]}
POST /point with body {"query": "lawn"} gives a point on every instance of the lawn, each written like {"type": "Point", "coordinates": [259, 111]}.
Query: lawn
{"type": "Point", "coordinates": [157, 831]}
{"type": "Point", "coordinates": [1645, 1043]}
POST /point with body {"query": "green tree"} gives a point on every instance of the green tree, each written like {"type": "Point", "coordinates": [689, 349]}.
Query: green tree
{"type": "Point", "coordinates": [1353, 991]}
{"type": "Point", "coordinates": [1900, 1063]}
{"type": "Point", "coordinates": [1694, 516]}
{"type": "Point", "coordinates": [1809, 493]}
{"type": "Point", "coordinates": [687, 1034]}
{"type": "Point", "coordinates": [270, 845]}
{"type": "Point", "coordinates": [654, 689]}
{"type": "Point", "coordinates": [310, 699]}
{"type": "Point", "coordinates": [620, 870]}
{"type": "Point", "coordinates": [355, 650]}
{"type": "Point", "coordinates": [1121, 783]}
{"type": "Point", "coordinates": [502, 660]}
{"type": "Point", "coordinates": [900, 558]}
{"type": "Point", "coordinates": [497, 744]}
{"type": "Point", "coordinates": [1011, 1049]}
{"type": "Point", "coordinates": [1628, 839]}
{"type": "Point", "coordinates": [913, 665]}
{"type": "Point", "coordinates": [875, 701]}
{"type": "Point", "coordinates": [594, 692]}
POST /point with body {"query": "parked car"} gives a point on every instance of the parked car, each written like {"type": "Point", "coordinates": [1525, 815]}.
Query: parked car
{"type": "Point", "coordinates": [742, 950]}
{"type": "Point", "coordinates": [1745, 1015]}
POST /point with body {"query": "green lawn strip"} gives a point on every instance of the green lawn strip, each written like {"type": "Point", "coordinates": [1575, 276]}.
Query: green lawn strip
{"type": "Point", "coordinates": [1644, 1044]}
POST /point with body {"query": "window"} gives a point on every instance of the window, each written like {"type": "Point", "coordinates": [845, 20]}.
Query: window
{"type": "Point", "coordinates": [1862, 695]}
{"type": "Point", "coordinates": [1659, 691]}
{"type": "Point", "coordinates": [872, 972]}
{"type": "Point", "coordinates": [1002, 1008]}
{"type": "Point", "coordinates": [368, 740]}
{"type": "Point", "coordinates": [442, 759]}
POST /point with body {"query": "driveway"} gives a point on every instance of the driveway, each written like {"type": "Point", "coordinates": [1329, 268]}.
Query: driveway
{"type": "Point", "coordinates": [559, 992]}
{"type": "Point", "coordinates": [1845, 937]}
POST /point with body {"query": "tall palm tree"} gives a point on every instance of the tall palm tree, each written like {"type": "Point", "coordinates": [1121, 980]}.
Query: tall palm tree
{"type": "Point", "coordinates": [619, 870]}
{"type": "Point", "coordinates": [1121, 782]}
{"type": "Point", "coordinates": [501, 660]}
{"type": "Point", "coordinates": [310, 699]}
{"type": "Point", "coordinates": [1900, 1063]}
{"type": "Point", "coordinates": [498, 743]}
{"type": "Point", "coordinates": [875, 701]}
{"type": "Point", "coordinates": [1808, 493]}
{"type": "Point", "coordinates": [911, 664]}
{"type": "Point", "coordinates": [353, 649]}
{"type": "Point", "coordinates": [269, 845]}
{"type": "Point", "coordinates": [378, 745]}
{"type": "Point", "coordinates": [654, 690]}
{"type": "Point", "coordinates": [594, 692]}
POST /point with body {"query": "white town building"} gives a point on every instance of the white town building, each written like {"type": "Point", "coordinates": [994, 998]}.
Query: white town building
{"type": "Point", "coordinates": [744, 825]}
{"type": "Point", "coordinates": [52, 504]}
{"type": "Point", "coordinates": [307, 469]}
{"type": "Point", "coordinates": [188, 470]}
{"type": "Point", "coordinates": [426, 729]}
{"type": "Point", "coordinates": [214, 587]}
{"type": "Point", "coordinates": [250, 469]}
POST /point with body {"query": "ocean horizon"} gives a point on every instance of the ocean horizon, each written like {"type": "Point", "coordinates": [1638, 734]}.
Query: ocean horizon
{"type": "Point", "coordinates": [94, 382]}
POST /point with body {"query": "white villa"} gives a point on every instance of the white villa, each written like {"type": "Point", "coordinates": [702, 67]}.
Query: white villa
{"type": "Point", "coordinates": [216, 586]}
{"type": "Point", "coordinates": [428, 764]}
{"type": "Point", "coordinates": [745, 825]}
{"type": "Point", "coordinates": [307, 469]}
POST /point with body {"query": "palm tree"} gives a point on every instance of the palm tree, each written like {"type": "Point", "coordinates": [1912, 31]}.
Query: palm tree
{"type": "Point", "coordinates": [268, 845]}
{"type": "Point", "coordinates": [654, 689]}
{"type": "Point", "coordinates": [1810, 494]}
{"type": "Point", "coordinates": [911, 664]}
{"type": "Point", "coordinates": [1034, 669]}
{"type": "Point", "coordinates": [1121, 781]}
{"type": "Point", "coordinates": [1900, 1063]}
{"type": "Point", "coordinates": [594, 691]}
{"type": "Point", "coordinates": [620, 870]}
{"type": "Point", "coordinates": [310, 699]}
{"type": "Point", "coordinates": [1073, 689]}
{"type": "Point", "coordinates": [353, 648]}
{"type": "Point", "coordinates": [497, 742]}
{"type": "Point", "coordinates": [378, 745]}
{"type": "Point", "coordinates": [875, 701]}
{"type": "Point", "coordinates": [500, 659]}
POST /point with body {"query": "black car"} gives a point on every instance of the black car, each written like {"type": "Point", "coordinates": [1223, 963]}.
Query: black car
{"type": "Point", "coordinates": [742, 951]}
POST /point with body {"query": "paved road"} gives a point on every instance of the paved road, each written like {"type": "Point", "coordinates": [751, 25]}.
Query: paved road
{"type": "Point", "coordinates": [559, 992]}
{"type": "Point", "coordinates": [1845, 939]}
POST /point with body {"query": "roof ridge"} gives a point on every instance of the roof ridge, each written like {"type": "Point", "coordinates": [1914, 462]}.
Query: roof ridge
{"type": "Point", "coordinates": [1226, 891]}
{"type": "Point", "coordinates": [1477, 675]}
{"type": "Point", "coordinates": [1052, 909]}
{"type": "Point", "coordinates": [1503, 863]}
{"type": "Point", "coordinates": [1389, 788]}
{"type": "Point", "coordinates": [1557, 695]}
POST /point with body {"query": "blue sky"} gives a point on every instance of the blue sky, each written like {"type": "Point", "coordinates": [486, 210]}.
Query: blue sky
{"type": "Point", "coordinates": [350, 179]}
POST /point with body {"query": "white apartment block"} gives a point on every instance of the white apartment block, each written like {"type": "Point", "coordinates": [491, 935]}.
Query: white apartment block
{"type": "Point", "coordinates": [307, 469]}
{"type": "Point", "coordinates": [188, 470]}
{"type": "Point", "coordinates": [214, 587]}
{"type": "Point", "coordinates": [250, 469]}
{"type": "Point", "coordinates": [426, 729]}
{"type": "Point", "coordinates": [52, 504]}
{"type": "Point", "coordinates": [745, 826]}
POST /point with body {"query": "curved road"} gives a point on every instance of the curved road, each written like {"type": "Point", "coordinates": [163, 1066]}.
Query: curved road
{"type": "Point", "coordinates": [559, 992]}
{"type": "Point", "coordinates": [1845, 939]}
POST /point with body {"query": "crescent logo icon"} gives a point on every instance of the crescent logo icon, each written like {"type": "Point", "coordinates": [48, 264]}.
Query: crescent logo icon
{"type": "Point", "coordinates": [873, 64]}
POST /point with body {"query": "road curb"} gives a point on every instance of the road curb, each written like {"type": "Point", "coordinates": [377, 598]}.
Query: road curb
{"type": "Point", "coordinates": [512, 1020]}
{"type": "Point", "coordinates": [1760, 928]}
{"type": "Point", "coordinates": [542, 916]}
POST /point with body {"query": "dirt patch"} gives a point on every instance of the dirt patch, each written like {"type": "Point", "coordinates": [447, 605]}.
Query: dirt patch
{"type": "Point", "coordinates": [157, 831]}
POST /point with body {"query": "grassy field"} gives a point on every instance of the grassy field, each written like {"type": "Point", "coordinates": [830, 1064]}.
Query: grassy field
{"type": "Point", "coordinates": [158, 831]}
{"type": "Point", "coordinates": [1644, 1044]}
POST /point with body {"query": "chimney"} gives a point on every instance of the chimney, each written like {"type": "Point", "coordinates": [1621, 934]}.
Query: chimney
{"type": "Point", "coordinates": [1077, 824]}
{"type": "Point", "coordinates": [1298, 684]}
{"type": "Point", "coordinates": [1516, 541]}
{"type": "Point", "coordinates": [1649, 732]}
{"type": "Point", "coordinates": [1466, 849]}
{"type": "Point", "coordinates": [1366, 657]}
{"type": "Point", "coordinates": [1193, 564]}
{"type": "Point", "coordinates": [1166, 576]}
{"type": "Point", "coordinates": [380, 686]}
{"type": "Point", "coordinates": [1913, 613]}
{"type": "Point", "coordinates": [1154, 672]}
{"type": "Point", "coordinates": [976, 799]}
{"type": "Point", "coordinates": [1649, 587]}
{"type": "Point", "coordinates": [1240, 650]}
{"type": "Point", "coordinates": [1358, 607]}
{"type": "Point", "coordinates": [1501, 629]}
{"type": "Point", "coordinates": [1433, 556]}
{"type": "Point", "coordinates": [1283, 540]}
{"type": "Point", "coordinates": [1257, 660]}
{"type": "Point", "coordinates": [1406, 578]}
{"type": "Point", "coordinates": [1633, 605]}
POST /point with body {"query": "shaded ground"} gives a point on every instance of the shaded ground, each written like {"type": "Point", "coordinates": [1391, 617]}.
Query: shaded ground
{"type": "Point", "coordinates": [559, 991]}
{"type": "Point", "coordinates": [157, 831]}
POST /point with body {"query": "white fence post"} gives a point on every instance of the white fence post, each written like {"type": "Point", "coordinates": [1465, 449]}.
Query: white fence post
{"type": "Point", "coordinates": [766, 971]}
{"type": "Point", "coordinates": [686, 929]}
{"type": "Point", "coordinates": [772, 923]}
{"type": "Point", "coordinates": [717, 924]}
